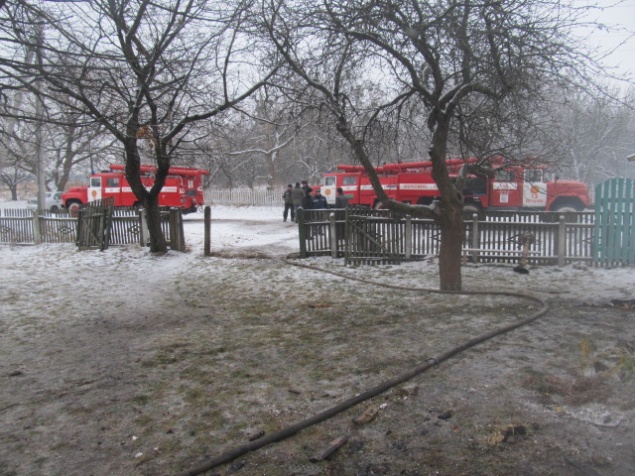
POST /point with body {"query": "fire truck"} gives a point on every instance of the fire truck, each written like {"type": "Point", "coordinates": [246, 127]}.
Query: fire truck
{"type": "Point", "coordinates": [192, 179]}
{"type": "Point", "coordinates": [183, 188]}
{"type": "Point", "coordinates": [511, 186]}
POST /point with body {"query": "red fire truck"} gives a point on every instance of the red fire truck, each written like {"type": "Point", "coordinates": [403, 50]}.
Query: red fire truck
{"type": "Point", "coordinates": [182, 189]}
{"type": "Point", "coordinates": [511, 186]}
{"type": "Point", "coordinates": [192, 179]}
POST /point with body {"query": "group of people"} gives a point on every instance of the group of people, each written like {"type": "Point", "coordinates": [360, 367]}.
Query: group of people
{"type": "Point", "coordinates": [302, 196]}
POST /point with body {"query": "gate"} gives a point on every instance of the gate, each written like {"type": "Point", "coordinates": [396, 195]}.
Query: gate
{"type": "Point", "coordinates": [614, 233]}
{"type": "Point", "coordinates": [373, 240]}
{"type": "Point", "coordinates": [93, 224]}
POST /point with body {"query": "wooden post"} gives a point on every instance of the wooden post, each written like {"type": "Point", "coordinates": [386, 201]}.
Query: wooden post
{"type": "Point", "coordinates": [301, 231]}
{"type": "Point", "coordinates": [175, 230]}
{"type": "Point", "coordinates": [37, 236]}
{"type": "Point", "coordinates": [207, 219]}
{"type": "Point", "coordinates": [144, 232]}
{"type": "Point", "coordinates": [475, 237]}
{"type": "Point", "coordinates": [561, 243]}
{"type": "Point", "coordinates": [333, 234]}
{"type": "Point", "coordinates": [328, 451]}
{"type": "Point", "coordinates": [102, 229]}
{"type": "Point", "coordinates": [408, 247]}
{"type": "Point", "coordinates": [181, 230]}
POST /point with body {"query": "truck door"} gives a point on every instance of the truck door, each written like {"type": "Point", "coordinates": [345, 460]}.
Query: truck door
{"type": "Point", "coordinates": [504, 191]}
{"type": "Point", "coordinates": [112, 188]}
{"type": "Point", "coordinates": [534, 189]}
{"type": "Point", "coordinates": [94, 189]}
{"type": "Point", "coordinates": [328, 189]}
{"type": "Point", "coordinates": [350, 187]}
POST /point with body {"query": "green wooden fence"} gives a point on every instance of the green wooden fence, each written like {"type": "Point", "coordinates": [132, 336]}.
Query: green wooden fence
{"type": "Point", "coordinates": [614, 235]}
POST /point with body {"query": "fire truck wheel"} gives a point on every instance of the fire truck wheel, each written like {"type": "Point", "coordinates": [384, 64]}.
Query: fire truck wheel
{"type": "Point", "coordinates": [566, 209]}
{"type": "Point", "coordinates": [378, 206]}
{"type": "Point", "coordinates": [73, 208]}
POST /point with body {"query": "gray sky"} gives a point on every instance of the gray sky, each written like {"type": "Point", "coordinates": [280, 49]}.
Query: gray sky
{"type": "Point", "coordinates": [619, 14]}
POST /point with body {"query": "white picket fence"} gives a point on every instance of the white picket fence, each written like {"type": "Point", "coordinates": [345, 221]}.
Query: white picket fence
{"type": "Point", "coordinates": [236, 196]}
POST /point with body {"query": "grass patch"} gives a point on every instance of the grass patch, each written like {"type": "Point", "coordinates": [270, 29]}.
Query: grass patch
{"type": "Point", "coordinates": [622, 358]}
{"type": "Point", "coordinates": [140, 399]}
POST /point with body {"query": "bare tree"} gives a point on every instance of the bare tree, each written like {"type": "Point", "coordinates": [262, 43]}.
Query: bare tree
{"type": "Point", "coordinates": [12, 176]}
{"type": "Point", "coordinates": [146, 71]}
{"type": "Point", "coordinates": [271, 141]}
{"type": "Point", "coordinates": [594, 135]}
{"type": "Point", "coordinates": [67, 142]}
{"type": "Point", "coordinates": [436, 58]}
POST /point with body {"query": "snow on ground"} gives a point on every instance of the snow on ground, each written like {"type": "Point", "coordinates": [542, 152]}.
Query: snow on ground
{"type": "Point", "coordinates": [57, 267]}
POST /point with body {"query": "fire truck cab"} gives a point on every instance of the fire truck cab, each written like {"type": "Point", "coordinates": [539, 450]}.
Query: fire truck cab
{"type": "Point", "coordinates": [517, 187]}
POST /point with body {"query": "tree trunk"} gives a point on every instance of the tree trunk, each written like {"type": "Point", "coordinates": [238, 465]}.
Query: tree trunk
{"type": "Point", "coordinates": [150, 201]}
{"type": "Point", "coordinates": [270, 158]}
{"type": "Point", "coordinates": [452, 232]}
{"type": "Point", "coordinates": [158, 244]}
{"type": "Point", "coordinates": [451, 216]}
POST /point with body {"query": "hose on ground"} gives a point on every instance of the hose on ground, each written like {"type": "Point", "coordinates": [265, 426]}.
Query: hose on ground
{"type": "Point", "coordinates": [289, 431]}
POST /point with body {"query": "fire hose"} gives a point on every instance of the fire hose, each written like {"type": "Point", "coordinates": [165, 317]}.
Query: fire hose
{"type": "Point", "coordinates": [291, 430]}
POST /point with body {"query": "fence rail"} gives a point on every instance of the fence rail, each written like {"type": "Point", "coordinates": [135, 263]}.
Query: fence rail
{"type": "Point", "coordinates": [498, 238]}
{"type": "Point", "coordinates": [27, 227]}
{"type": "Point", "coordinates": [328, 232]}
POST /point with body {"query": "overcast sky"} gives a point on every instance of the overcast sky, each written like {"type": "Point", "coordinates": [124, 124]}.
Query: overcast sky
{"type": "Point", "coordinates": [621, 15]}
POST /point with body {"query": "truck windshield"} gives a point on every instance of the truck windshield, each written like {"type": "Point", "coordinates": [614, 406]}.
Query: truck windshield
{"type": "Point", "coordinates": [505, 175]}
{"type": "Point", "coordinates": [533, 176]}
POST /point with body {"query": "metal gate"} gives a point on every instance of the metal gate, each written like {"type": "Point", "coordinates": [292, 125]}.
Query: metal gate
{"type": "Point", "coordinates": [614, 233]}
{"type": "Point", "coordinates": [93, 224]}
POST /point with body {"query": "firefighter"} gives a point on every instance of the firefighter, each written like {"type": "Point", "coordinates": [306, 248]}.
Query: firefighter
{"type": "Point", "coordinates": [340, 202]}
{"type": "Point", "coordinates": [307, 199]}
{"type": "Point", "coordinates": [296, 198]}
{"type": "Point", "coordinates": [307, 204]}
{"type": "Point", "coordinates": [287, 196]}
{"type": "Point", "coordinates": [319, 200]}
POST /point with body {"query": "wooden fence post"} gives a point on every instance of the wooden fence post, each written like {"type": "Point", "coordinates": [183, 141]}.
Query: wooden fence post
{"type": "Point", "coordinates": [207, 219]}
{"type": "Point", "coordinates": [176, 239]}
{"type": "Point", "coordinates": [408, 237]}
{"type": "Point", "coordinates": [300, 213]}
{"type": "Point", "coordinates": [475, 237]}
{"type": "Point", "coordinates": [103, 244]}
{"type": "Point", "coordinates": [181, 230]}
{"type": "Point", "coordinates": [37, 236]}
{"type": "Point", "coordinates": [333, 234]}
{"type": "Point", "coordinates": [561, 237]}
{"type": "Point", "coordinates": [144, 232]}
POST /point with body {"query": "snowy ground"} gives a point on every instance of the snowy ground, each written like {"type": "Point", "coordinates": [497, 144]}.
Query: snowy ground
{"type": "Point", "coordinates": [262, 229]}
{"type": "Point", "coordinates": [124, 363]}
